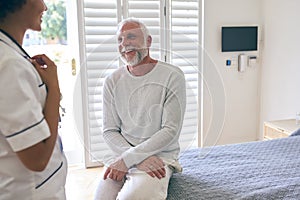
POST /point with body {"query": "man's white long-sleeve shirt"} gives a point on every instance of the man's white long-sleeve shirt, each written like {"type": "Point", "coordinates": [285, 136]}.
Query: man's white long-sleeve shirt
{"type": "Point", "coordinates": [143, 115]}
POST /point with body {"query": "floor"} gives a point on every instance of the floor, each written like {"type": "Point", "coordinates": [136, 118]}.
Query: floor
{"type": "Point", "coordinates": [81, 182]}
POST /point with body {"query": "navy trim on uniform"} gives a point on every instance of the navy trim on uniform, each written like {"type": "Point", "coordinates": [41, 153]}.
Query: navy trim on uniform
{"type": "Point", "coordinates": [4, 42]}
{"type": "Point", "coordinates": [26, 54]}
{"type": "Point", "coordinates": [14, 41]}
{"type": "Point", "coordinates": [42, 183]}
{"type": "Point", "coordinates": [14, 134]}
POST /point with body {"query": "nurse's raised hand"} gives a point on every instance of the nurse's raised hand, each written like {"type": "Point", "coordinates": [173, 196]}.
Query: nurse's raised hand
{"type": "Point", "coordinates": [47, 69]}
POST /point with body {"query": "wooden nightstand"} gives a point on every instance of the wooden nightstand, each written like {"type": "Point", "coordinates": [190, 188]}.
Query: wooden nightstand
{"type": "Point", "coordinates": [279, 128]}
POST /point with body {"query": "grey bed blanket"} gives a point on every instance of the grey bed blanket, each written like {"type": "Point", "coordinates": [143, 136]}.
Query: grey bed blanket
{"type": "Point", "coordinates": [255, 170]}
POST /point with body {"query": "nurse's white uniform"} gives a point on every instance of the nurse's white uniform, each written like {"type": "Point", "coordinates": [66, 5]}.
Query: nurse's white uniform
{"type": "Point", "coordinates": [22, 124]}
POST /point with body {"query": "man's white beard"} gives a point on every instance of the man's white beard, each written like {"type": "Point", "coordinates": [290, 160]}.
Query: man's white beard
{"type": "Point", "coordinates": [140, 55]}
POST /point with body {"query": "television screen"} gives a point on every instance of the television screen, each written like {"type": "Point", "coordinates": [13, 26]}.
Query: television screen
{"type": "Point", "coordinates": [239, 38]}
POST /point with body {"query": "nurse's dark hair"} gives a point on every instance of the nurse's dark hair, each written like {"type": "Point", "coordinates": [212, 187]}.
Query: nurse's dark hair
{"type": "Point", "coordinates": [10, 6]}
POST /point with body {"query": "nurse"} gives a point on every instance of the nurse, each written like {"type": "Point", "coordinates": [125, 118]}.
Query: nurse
{"type": "Point", "coordinates": [32, 163]}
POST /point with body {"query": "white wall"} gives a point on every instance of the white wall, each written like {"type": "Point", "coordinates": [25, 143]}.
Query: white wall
{"type": "Point", "coordinates": [238, 106]}
{"type": "Point", "coordinates": [280, 92]}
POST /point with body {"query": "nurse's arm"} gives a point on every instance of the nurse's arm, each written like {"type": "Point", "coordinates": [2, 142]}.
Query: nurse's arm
{"type": "Point", "coordinates": [37, 156]}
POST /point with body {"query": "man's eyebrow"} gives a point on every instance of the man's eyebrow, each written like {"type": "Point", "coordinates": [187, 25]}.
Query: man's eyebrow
{"type": "Point", "coordinates": [131, 34]}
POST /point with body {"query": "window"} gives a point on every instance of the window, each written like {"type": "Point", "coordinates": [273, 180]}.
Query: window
{"type": "Point", "coordinates": [174, 26]}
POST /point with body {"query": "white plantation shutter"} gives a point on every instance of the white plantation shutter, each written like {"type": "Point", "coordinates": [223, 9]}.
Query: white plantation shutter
{"type": "Point", "coordinates": [99, 57]}
{"type": "Point", "coordinates": [184, 52]}
{"type": "Point", "coordinates": [174, 39]}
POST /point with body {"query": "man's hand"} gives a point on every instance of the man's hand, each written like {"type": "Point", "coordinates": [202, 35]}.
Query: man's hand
{"type": "Point", "coordinates": [153, 166]}
{"type": "Point", "coordinates": [116, 171]}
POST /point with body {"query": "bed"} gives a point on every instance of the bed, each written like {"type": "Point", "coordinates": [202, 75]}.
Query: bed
{"type": "Point", "coordinates": [254, 170]}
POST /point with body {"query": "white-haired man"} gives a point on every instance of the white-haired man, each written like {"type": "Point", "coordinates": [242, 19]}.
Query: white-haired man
{"type": "Point", "coordinates": [143, 109]}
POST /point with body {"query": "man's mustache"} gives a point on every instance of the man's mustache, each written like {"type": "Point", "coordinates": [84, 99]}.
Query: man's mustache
{"type": "Point", "coordinates": [128, 49]}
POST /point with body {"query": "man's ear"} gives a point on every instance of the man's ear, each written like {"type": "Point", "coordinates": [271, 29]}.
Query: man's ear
{"type": "Point", "coordinates": [149, 41]}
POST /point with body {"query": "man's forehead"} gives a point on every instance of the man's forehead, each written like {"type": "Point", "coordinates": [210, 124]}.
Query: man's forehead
{"type": "Point", "coordinates": [129, 27]}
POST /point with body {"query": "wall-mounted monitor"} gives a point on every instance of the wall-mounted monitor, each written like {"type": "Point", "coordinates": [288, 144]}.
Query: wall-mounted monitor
{"type": "Point", "coordinates": [239, 38]}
